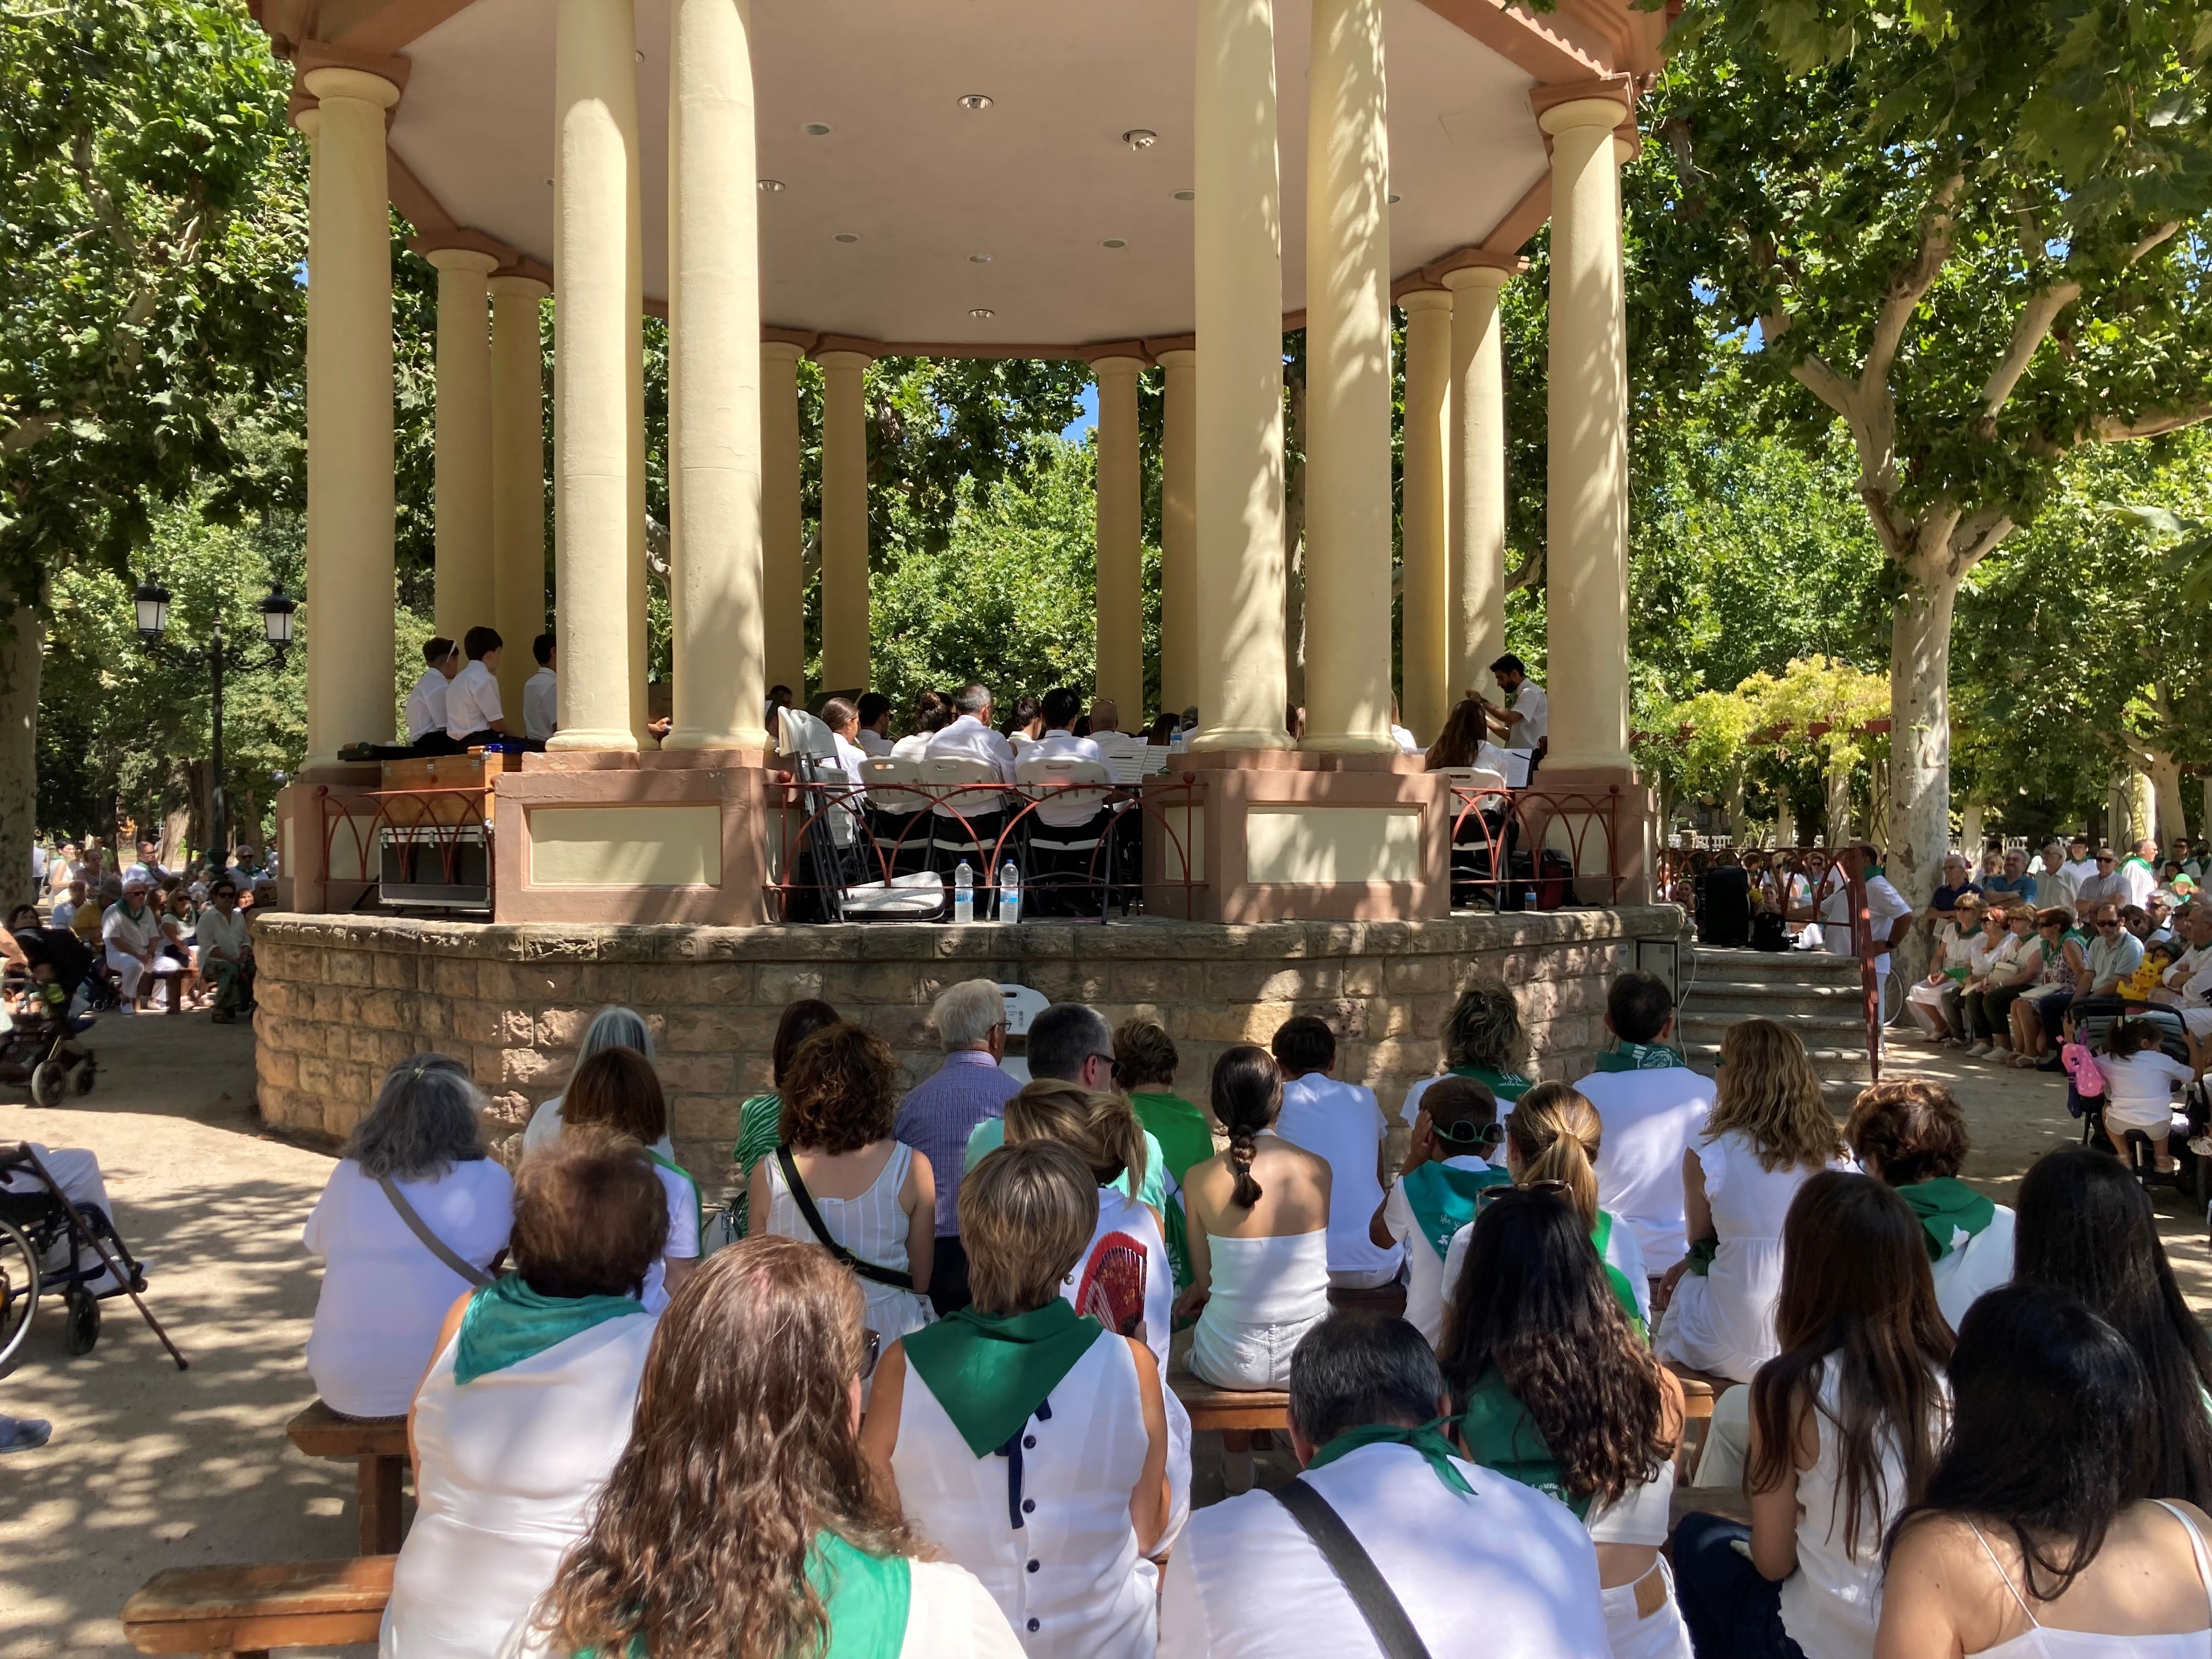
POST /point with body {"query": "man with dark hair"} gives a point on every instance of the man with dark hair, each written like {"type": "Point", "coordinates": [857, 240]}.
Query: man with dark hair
{"type": "Point", "coordinates": [425, 702]}
{"type": "Point", "coordinates": [1340, 1124]}
{"type": "Point", "coordinates": [1524, 720]}
{"type": "Point", "coordinates": [1652, 1105]}
{"type": "Point", "coordinates": [875, 738]}
{"type": "Point", "coordinates": [473, 716]}
{"type": "Point", "coordinates": [1247, 1579]}
{"type": "Point", "coordinates": [541, 692]}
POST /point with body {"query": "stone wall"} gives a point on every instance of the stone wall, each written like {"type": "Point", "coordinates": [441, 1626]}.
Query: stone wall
{"type": "Point", "coordinates": [343, 997]}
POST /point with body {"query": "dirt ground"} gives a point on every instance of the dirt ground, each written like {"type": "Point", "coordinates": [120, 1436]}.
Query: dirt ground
{"type": "Point", "coordinates": [149, 1468]}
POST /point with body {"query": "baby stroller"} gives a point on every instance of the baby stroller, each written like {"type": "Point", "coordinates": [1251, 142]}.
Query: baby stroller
{"type": "Point", "coordinates": [37, 1032]}
{"type": "Point", "coordinates": [48, 1244]}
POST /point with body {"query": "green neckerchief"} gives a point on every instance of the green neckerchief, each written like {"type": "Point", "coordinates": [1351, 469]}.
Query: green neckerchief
{"type": "Point", "coordinates": [1506, 1085]}
{"type": "Point", "coordinates": [1500, 1434]}
{"type": "Point", "coordinates": [698, 1214]}
{"type": "Point", "coordinates": [1443, 1199]}
{"type": "Point", "coordinates": [508, 1322]}
{"type": "Point", "coordinates": [1623, 1291]}
{"type": "Point", "coordinates": [1698, 1259]}
{"type": "Point", "coordinates": [866, 1598]}
{"type": "Point", "coordinates": [1626, 1056]}
{"type": "Point", "coordinates": [1951, 1213]}
{"type": "Point", "coordinates": [1428, 1440]}
{"type": "Point", "coordinates": [2140, 862]}
{"type": "Point", "coordinates": [991, 1374]}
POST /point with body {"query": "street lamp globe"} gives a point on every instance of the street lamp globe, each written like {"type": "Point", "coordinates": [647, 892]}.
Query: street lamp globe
{"type": "Point", "coordinates": [152, 600]}
{"type": "Point", "coordinates": [277, 617]}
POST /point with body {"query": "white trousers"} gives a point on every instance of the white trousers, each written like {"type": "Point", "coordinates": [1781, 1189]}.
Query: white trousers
{"type": "Point", "coordinates": [1728, 1441]}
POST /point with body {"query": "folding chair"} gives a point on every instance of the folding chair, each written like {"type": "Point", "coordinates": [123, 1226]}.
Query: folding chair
{"type": "Point", "coordinates": [829, 855]}
{"type": "Point", "coordinates": [897, 816]}
{"type": "Point", "coordinates": [1072, 818]}
{"type": "Point", "coordinates": [966, 818]}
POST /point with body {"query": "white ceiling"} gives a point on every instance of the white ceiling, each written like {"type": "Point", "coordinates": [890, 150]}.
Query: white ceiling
{"type": "Point", "coordinates": [1037, 181]}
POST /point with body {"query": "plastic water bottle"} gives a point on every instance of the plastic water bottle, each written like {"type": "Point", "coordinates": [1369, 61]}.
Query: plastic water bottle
{"type": "Point", "coordinates": [963, 893]}
{"type": "Point", "coordinates": [1010, 893]}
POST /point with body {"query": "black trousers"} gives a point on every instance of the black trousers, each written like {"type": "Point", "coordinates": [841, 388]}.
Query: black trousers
{"type": "Point", "coordinates": [1733, 1610]}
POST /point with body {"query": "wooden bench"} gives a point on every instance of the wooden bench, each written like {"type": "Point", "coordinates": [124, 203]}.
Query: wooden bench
{"type": "Point", "coordinates": [377, 1448]}
{"type": "Point", "coordinates": [247, 1611]}
{"type": "Point", "coordinates": [1239, 1410]}
{"type": "Point", "coordinates": [1701, 1390]}
{"type": "Point", "coordinates": [1727, 1501]}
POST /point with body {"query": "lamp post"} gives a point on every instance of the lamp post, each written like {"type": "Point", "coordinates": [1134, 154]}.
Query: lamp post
{"type": "Point", "coordinates": [152, 603]}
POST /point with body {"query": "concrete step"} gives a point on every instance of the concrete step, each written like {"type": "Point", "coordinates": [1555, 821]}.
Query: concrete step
{"type": "Point", "coordinates": [1808, 967]}
{"type": "Point", "coordinates": [1774, 998]}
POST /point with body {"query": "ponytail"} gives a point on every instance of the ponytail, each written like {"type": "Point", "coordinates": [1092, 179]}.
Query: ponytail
{"type": "Point", "coordinates": [1100, 1127]}
{"type": "Point", "coordinates": [1247, 1094]}
{"type": "Point", "coordinates": [1556, 1131]}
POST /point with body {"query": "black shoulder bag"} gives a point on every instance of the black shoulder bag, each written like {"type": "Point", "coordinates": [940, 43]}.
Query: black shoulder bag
{"type": "Point", "coordinates": [1355, 1569]}
{"type": "Point", "coordinates": [812, 1218]}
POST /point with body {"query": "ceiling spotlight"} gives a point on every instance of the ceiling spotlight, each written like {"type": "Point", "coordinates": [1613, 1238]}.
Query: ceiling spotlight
{"type": "Point", "coordinates": [639, 54]}
{"type": "Point", "coordinates": [1113, 241]}
{"type": "Point", "coordinates": [1140, 138]}
{"type": "Point", "coordinates": [975, 100]}
{"type": "Point", "coordinates": [981, 310]}
{"type": "Point", "coordinates": [773, 186]}
{"type": "Point", "coordinates": [1394, 200]}
{"type": "Point", "coordinates": [815, 129]}
{"type": "Point", "coordinates": [844, 236]}
{"type": "Point", "coordinates": [1186, 196]}
{"type": "Point", "coordinates": [549, 183]}
{"type": "Point", "coordinates": [979, 258]}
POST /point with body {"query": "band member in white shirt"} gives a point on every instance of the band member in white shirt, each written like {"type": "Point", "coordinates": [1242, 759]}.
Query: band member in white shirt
{"type": "Point", "coordinates": [426, 703]}
{"type": "Point", "coordinates": [1525, 722]}
{"type": "Point", "coordinates": [473, 716]}
{"type": "Point", "coordinates": [541, 692]}
{"type": "Point", "coordinates": [970, 737]}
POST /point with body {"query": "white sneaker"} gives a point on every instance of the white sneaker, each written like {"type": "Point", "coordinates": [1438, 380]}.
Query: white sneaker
{"type": "Point", "coordinates": [2201, 1145]}
{"type": "Point", "coordinates": [1978, 1050]}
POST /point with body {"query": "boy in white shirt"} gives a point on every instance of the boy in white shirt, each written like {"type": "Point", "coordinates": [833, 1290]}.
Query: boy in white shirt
{"type": "Point", "coordinates": [1652, 1106]}
{"type": "Point", "coordinates": [473, 716]}
{"type": "Point", "coordinates": [426, 703]}
{"type": "Point", "coordinates": [1341, 1123]}
{"type": "Point", "coordinates": [541, 692]}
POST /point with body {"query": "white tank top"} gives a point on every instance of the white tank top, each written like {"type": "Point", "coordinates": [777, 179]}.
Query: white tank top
{"type": "Point", "coordinates": [2040, 1641]}
{"type": "Point", "coordinates": [1267, 1281]}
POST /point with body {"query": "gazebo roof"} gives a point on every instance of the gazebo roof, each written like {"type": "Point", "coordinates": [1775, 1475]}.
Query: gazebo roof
{"type": "Point", "coordinates": [1009, 209]}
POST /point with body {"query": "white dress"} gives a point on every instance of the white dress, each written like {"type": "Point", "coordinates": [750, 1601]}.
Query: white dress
{"type": "Point", "coordinates": [872, 1227]}
{"type": "Point", "coordinates": [510, 1466]}
{"type": "Point", "coordinates": [1265, 1293]}
{"type": "Point", "coordinates": [1723, 1321]}
{"type": "Point", "coordinates": [1069, 1578]}
{"type": "Point", "coordinates": [384, 1295]}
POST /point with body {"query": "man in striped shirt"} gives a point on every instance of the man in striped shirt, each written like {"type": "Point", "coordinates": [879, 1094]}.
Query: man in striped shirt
{"type": "Point", "coordinates": [940, 1113]}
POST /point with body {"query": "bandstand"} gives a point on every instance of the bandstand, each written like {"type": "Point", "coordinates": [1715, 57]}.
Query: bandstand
{"type": "Point", "coordinates": [1164, 183]}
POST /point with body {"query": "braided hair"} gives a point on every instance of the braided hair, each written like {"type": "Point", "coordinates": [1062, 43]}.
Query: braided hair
{"type": "Point", "coordinates": [1247, 1094]}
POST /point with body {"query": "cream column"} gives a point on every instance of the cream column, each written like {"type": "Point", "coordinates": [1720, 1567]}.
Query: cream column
{"type": "Point", "coordinates": [1121, 584]}
{"type": "Point", "coordinates": [844, 519]}
{"type": "Point", "coordinates": [1474, 606]}
{"type": "Point", "coordinates": [1238, 258]}
{"type": "Point", "coordinates": [1425, 633]}
{"type": "Point", "coordinates": [783, 575]}
{"type": "Point", "coordinates": [598, 419]}
{"type": "Point", "coordinates": [714, 383]}
{"type": "Point", "coordinates": [1178, 531]}
{"type": "Point", "coordinates": [349, 495]}
{"type": "Point", "coordinates": [1347, 383]}
{"type": "Point", "coordinates": [463, 464]}
{"type": "Point", "coordinates": [1586, 585]}
{"type": "Point", "coordinates": [310, 124]}
{"type": "Point", "coordinates": [518, 479]}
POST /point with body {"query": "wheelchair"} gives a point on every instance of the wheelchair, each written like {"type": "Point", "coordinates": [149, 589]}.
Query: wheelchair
{"type": "Point", "coordinates": [49, 1245]}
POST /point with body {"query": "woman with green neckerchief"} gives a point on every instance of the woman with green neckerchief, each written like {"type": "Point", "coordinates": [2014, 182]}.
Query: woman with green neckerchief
{"type": "Point", "coordinates": [1911, 1135]}
{"type": "Point", "coordinates": [620, 1090]}
{"type": "Point", "coordinates": [528, 1403]}
{"type": "Point", "coordinates": [742, 1517]}
{"type": "Point", "coordinates": [1022, 1439]}
{"type": "Point", "coordinates": [1551, 1140]}
{"type": "Point", "coordinates": [760, 1115]}
{"type": "Point", "coordinates": [1145, 1062]}
{"type": "Point", "coordinates": [1483, 1038]}
{"type": "Point", "coordinates": [1552, 1384]}
{"type": "Point", "coordinates": [1447, 1171]}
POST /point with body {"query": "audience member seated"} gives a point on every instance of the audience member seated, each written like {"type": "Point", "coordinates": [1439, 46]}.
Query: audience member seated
{"type": "Point", "coordinates": [1027, 1443]}
{"type": "Point", "coordinates": [620, 1091]}
{"type": "Point", "coordinates": [760, 1117]}
{"type": "Point", "coordinates": [1910, 1134]}
{"type": "Point", "coordinates": [1932, 1001]}
{"type": "Point", "coordinates": [1259, 1234]}
{"type": "Point", "coordinates": [2086, 1227]}
{"type": "Point", "coordinates": [2106, 885]}
{"type": "Point", "coordinates": [2038, 1013]}
{"type": "Point", "coordinates": [1145, 1062]}
{"type": "Point", "coordinates": [842, 717]}
{"type": "Point", "coordinates": [1447, 1171]}
{"type": "Point", "coordinates": [1769, 1133]}
{"type": "Point", "coordinates": [613, 1027]}
{"type": "Point", "coordinates": [1551, 1140]}
{"type": "Point", "coordinates": [1958, 881]}
{"type": "Point", "coordinates": [742, 1517]}
{"type": "Point", "coordinates": [840, 1179]}
{"type": "Point", "coordinates": [76, 1171]}
{"type": "Point", "coordinates": [942, 1111]}
{"type": "Point", "coordinates": [1340, 1124]}
{"type": "Point", "coordinates": [528, 1405]}
{"type": "Point", "coordinates": [1483, 1039]}
{"type": "Point", "coordinates": [1844, 1425]}
{"type": "Point", "coordinates": [2037, 1535]}
{"type": "Point", "coordinates": [1071, 1043]}
{"type": "Point", "coordinates": [1552, 1384]}
{"type": "Point", "coordinates": [130, 933]}
{"type": "Point", "coordinates": [1652, 1106]}
{"type": "Point", "coordinates": [225, 952]}
{"type": "Point", "coordinates": [385, 1288]}
{"type": "Point", "coordinates": [1476, 1565]}
{"type": "Point", "coordinates": [2000, 980]}
{"type": "Point", "coordinates": [2015, 885]}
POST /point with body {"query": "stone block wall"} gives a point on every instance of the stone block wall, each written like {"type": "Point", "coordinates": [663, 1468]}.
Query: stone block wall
{"type": "Point", "coordinates": [343, 997]}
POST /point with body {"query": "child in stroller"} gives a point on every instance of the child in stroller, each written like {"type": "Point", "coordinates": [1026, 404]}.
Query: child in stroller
{"type": "Point", "coordinates": [38, 987]}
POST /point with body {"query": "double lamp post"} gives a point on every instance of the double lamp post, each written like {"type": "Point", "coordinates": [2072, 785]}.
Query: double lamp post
{"type": "Point", "coordinates": [152, 600]}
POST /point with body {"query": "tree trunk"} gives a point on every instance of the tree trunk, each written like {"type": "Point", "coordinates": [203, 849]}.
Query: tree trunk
{"type": "Point", "coordinates": [1920, 737]}
{"type": "Point", "coordinates": [2142, 808]}
{"type": "Point", "coordinates": [1294, 547]}
{"type": "Point", "coordinates": [1785, 825]}
{"type": "Point", "coordinates": [1739, 831]}
{"type": "Point", "coordinates": [20, 653]}
{"type": "Point", "coordinates": [1970, 832]}
{"type": "Point", "coordinates": [1838, 814]}
{"type": "Point", "coordinates": [2163, 773]}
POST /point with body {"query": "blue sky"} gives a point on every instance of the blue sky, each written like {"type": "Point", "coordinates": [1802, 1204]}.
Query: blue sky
{"type": "Point", "coordinates": [1077, 428]}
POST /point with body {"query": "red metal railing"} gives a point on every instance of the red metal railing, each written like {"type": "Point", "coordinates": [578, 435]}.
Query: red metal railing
{"type": "Point", "coordinates": [1490, 826]}
{"type": "Point", "coordinates": [442, 820]}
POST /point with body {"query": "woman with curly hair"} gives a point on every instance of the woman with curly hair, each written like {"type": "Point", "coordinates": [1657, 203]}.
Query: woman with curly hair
{"type": "Point", "coordinates": [1769, 1133]}
{"type": "Point", "coordinates": [741, 1521]}
{"type": "Point", "coordinates": [840, 1181]}
{"type": "Point", "coordinates": [1483, 1038]}
{"type": "Point", "coordinates": [1909, 1134]}
{"type": "Point", "coordinates": [1551, 1383]}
